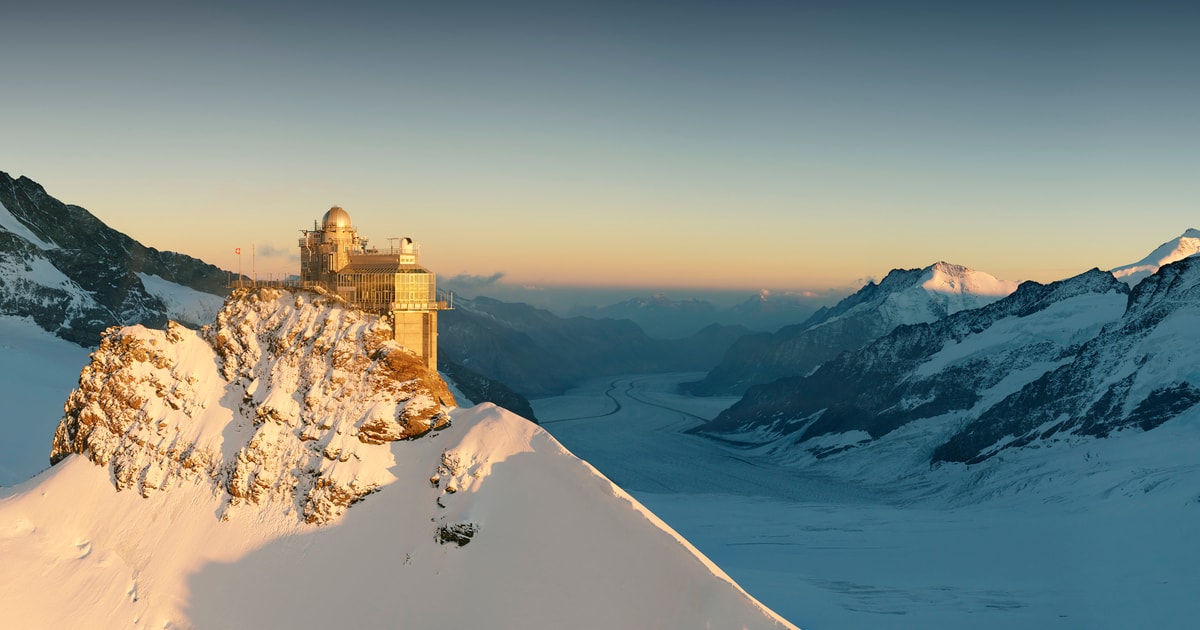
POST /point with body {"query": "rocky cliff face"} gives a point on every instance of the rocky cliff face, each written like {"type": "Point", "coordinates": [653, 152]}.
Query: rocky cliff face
{"type": "Point", "coordinates": [479, 389]}
{"type": "Point", "coordinates": [289, 397]}
{"type": "Point", "coordinates": [1141, 371]}
{"type": "Point", "coordinates": [74, 275]}
{"type": "Point", "coordinates": [949, 372]}
{"type": "Point", "coordinates": [904, 296]}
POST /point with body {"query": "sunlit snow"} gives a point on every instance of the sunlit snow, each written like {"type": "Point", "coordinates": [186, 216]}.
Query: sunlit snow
{"type": "Point", "coordinates": [1182, 247]}
{"type": "Point", "coordinates": [175, 417]}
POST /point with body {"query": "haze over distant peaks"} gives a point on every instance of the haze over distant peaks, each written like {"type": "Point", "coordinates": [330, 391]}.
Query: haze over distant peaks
{"type": "Point", "coordinates": [1185, 245]}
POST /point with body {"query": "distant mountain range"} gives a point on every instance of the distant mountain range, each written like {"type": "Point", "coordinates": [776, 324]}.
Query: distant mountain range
{"type": "Point", "coordinates": [904, 296]}
{"type": "Point", "coordinates": [663, 317]}
{"type": "Point", "coordinates": [537, 353]}
{"type": "Point", "coordinates": [1082, 357]}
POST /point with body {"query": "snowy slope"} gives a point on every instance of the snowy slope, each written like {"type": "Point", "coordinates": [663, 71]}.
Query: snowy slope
{"type": "Point", "coordinates": [558, 546]}
{"type": "Point", "coordinates": [1187, 244]}
{"type": "Point", "coordinates": [941, 289]}
{"type": "Point", "coordinates": [1075, 361]}
{"type": "Point", "coordinates": [950, 370]}
{"type": "Point", "coordinates": [1098, 534]}
{"type": "Point", "coordinates": [904, 296]}
{"type": "Point", "coordinates": [184, 304]}
{"type": "Point", "coordinates": [223, 463]}
{"type": "Point", "coordinates": [1141, 371]}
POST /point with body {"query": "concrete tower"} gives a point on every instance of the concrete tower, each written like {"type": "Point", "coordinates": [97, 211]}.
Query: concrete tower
{"type": "Point", "coordinates": [390, 283]}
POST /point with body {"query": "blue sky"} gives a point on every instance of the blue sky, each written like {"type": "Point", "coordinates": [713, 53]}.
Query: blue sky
{"type": "Point", "coordinates": [711, 144]}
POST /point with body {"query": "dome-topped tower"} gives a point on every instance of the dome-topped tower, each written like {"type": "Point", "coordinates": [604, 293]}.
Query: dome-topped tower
{"type": "Point", "coordinates": [333, 256]}
{"type": "Point", "coordinates": [336, 218]}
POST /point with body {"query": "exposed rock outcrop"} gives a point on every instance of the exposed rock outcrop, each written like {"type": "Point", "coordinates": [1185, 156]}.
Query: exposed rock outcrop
{"type": "Point", "coordinates": [479, 388]}
{"type": "Point", "coordinates": [288, 397]}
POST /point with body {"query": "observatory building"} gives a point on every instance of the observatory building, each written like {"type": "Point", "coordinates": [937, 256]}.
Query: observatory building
{"type": "Point", "coordinates": [387, 282]}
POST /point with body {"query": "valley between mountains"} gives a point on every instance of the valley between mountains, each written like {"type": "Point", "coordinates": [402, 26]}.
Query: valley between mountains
{"type": "Point", "coordinates": [939, 449]}
{"type": "Point", "coordinates": [1098, 535]}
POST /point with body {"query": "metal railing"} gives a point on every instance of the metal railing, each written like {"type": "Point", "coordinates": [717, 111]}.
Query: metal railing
{"type": "Point", "coordinates": [443, 302]}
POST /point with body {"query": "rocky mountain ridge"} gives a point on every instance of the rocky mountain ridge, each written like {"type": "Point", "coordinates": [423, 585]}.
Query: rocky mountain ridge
{"type": "Point", "coordinates": [281, 399]}
{"type": "Point", "coordinates": [75, 276]}
{"type": "Point", "coordinates": [1137, 373]}
{"type": "Point", "coordinates": [904, 296]}
{"type": "Point", "coordinates": [1076, 359]}
{"type": "Point", "coordinates": [1183, 246]}
{"type": "Point", "coordinates": [198, 472]}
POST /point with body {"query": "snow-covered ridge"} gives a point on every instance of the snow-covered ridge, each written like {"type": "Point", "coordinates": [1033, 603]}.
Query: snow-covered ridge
{"type": "Point", "coordinates": [943, 375]}
{"type": "Point", "coordinates": [944, 289]}
{"type": "Point", "coordinates": [903, 297]}
{"type": "Point", "coordinates": [1187, 244]}
{"type": "Point", "coordinates": [235, 452]}
{"type": "Point", "coordinates": [288, 397]}
{"type": "Point", "coordinates": [184, 304]}
{"type": "Point", "coordinates": [941, 289]}
{"type": "Point", "coordinates": [947, 278]}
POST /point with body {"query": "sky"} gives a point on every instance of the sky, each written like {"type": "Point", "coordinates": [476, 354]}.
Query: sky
{"type": "Point", "coordinates": [690, 145]}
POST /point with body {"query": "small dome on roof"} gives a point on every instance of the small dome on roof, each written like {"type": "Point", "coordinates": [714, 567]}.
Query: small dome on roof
{"type": "Point", "coordinates": [336, 218]}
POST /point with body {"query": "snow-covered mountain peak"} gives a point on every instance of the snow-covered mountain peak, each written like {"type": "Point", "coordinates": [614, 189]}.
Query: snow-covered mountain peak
{"type": "Point", "coordinates": [944, 277]}
{"type": "Point", "coordinates": [289, 397]}
{"type": "Point", "coordinates": [902, 297]}
{"type": "Point", "coordinates": [1187, 244]}
{"type": "Point", "coordinates": [941, 289]}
